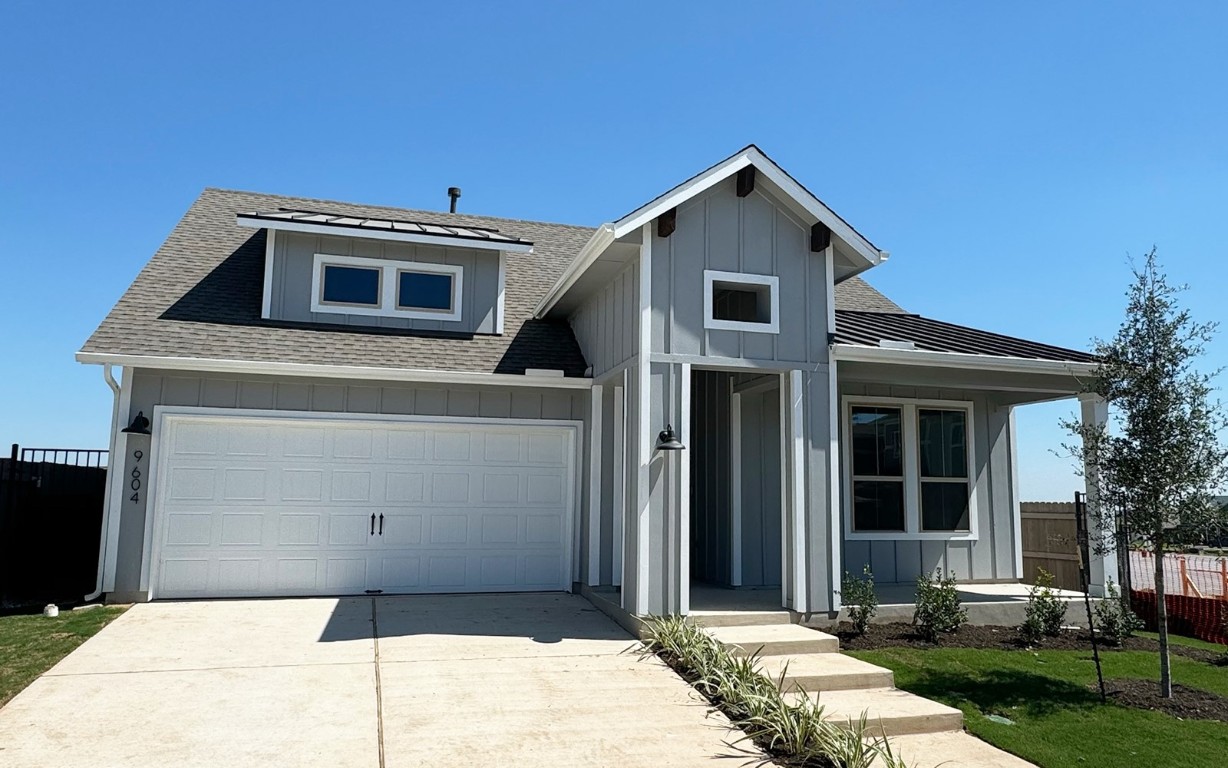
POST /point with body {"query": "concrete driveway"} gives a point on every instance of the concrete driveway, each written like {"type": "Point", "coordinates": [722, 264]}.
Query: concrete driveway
{"type": "Point", "coordinates": [496, 680]}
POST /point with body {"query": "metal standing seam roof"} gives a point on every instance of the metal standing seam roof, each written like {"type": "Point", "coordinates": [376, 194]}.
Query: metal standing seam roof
{"type": "Point", "coordinates": [867, 329]}
{"type": "Point", "coordinates": [486, 234]}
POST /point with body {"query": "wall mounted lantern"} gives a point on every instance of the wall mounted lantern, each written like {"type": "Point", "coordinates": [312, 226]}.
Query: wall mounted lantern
{"type": "Point", "coordinates": [668, 441]}
{"type": "Point", "coordinates": [139, 425]}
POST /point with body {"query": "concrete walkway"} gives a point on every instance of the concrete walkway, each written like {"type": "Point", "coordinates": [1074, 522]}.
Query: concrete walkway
{"type": "Point", "coordinates": [493, 680]}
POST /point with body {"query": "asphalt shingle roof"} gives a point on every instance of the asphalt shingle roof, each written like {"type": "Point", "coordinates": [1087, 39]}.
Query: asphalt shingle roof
{"type": "Point", "coordinates": [200, 296]}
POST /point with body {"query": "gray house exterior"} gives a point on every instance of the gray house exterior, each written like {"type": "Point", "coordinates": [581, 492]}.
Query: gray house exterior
{"type": "Point", "coordinates": [347, 399]}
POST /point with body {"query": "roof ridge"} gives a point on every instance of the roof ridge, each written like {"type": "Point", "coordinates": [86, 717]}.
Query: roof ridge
{"type": "Point", "coordinates": [395, 208]}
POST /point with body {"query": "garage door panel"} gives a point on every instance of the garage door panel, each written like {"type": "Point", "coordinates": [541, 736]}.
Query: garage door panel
{"type": "Point", "coordinates": [471, 507]}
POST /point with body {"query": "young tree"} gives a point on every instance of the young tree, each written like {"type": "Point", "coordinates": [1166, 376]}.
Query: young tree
{"type": "Point", "coordinates": [1157, 470]}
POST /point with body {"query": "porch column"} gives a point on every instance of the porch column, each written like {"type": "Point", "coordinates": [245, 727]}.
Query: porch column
{"type": "Point", "coordinates": [1102, 567]}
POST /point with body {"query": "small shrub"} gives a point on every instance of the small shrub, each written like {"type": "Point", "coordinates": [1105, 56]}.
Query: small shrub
{"type": "Point", "coordinates": [938, 609]}
{"type": "Point", "coordinates": [859, 595]}
{"type": "Point", "coordinates": [1114, 619]}
{"type": "Point", "coordinates": [1045, 611]}
{"type": "Point", "coordinates": [755, 703]}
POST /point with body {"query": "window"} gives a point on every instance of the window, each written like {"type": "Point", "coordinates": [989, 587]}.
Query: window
{"type": "Point", "coordinates": [364, 286]}
{"type": "Point", "coordinates": [908, 466]}
{"type": "Point", "coordinates": [942, 445]}
{"type": "Point", "coordinates": [878, 469]}
{"type": "Point", "coordinates": [427, 291]}
{"type": "Point", "coordinates": [350, 286]}
{"type": "Point", "coordinates": [741, 302]}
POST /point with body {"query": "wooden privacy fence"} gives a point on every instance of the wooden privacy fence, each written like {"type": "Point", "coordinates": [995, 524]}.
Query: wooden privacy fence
{"type": "Point", "coordinates": [1050, 541]}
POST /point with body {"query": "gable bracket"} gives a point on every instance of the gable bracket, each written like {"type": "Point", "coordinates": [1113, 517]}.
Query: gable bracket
{"type": "Point", "coordinates": [667, 222]}
{"type": "Point", "coordinates": [820, 237]}
{"type": "Point", "coordinates": [746, 181]}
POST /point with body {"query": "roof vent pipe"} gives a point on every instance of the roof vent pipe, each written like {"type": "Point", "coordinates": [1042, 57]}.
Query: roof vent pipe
{"type": "Point", "coordinates": [454, 193]}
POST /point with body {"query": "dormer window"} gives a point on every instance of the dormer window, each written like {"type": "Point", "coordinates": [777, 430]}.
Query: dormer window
{"type": "Point", "coordinates": [350, 286]}
{"type": "Point", "coordinates": [408, 289]}
{"type": "Point", "coordinates": [421, 291]}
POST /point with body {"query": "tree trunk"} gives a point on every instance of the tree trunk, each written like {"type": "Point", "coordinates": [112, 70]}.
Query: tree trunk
{"type": "Point", "coordinates": [1166, 677]}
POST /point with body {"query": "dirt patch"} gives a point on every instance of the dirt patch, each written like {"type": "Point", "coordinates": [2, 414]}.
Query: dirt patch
{"type": "Point", "coordinates": [1186, 703]}
{"type": "Point", "coordinates": [1002, 638]}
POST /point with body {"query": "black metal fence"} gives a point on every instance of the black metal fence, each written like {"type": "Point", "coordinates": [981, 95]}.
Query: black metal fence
{"type": "Point", "coordinates": [50, 524]}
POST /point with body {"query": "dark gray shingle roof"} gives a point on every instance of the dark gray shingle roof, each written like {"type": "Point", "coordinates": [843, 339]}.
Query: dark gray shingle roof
{"type": "Point", "coordinates": [868, 328]}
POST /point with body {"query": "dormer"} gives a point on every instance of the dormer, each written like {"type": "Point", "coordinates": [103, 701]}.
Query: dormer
{"type": "Point", "coordinates": [334, 269]}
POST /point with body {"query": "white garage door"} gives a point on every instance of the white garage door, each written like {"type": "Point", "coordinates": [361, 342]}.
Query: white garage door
{"type": "Point", "coordinates": [249, 506]}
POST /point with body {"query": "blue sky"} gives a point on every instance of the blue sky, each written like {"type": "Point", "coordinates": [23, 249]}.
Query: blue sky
{"type": "Point", "coordinates": [1010, 156]}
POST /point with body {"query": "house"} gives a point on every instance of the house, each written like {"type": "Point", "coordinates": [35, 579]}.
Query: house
{"type": "Point", "coordinates": [321, 398]}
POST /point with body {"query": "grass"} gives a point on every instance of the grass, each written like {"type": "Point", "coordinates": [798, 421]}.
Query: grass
{"type": "Point", "coordinates": [1058, 718]}
{"type": "Point", "coordinates": [31, 645]}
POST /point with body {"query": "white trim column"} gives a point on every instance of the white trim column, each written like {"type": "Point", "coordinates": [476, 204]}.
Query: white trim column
{"type": "Point", "coordinates": [594, 485]}
{"type": "Point", "coordinates": [1101, 567]}
{"type": "Point", "coordinates": [795, 400]}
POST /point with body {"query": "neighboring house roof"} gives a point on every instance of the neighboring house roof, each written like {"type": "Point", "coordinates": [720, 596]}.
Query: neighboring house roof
{"type": "Point", "coordinates": [867, 329]}
{"type": "Point", "coordinates": [200, 297]}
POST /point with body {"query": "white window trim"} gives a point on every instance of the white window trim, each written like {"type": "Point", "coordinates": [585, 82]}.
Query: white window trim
{"type": "Point", "coordinates": [389, 281]}
{"type": "Point", "coordinates": [912, 472]}
{"type": "Point", "coordinates": [771, 281]}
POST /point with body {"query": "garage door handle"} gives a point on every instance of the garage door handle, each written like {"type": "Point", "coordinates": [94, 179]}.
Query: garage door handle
{"type": "Point", "coordinates": [372, 523]}
{"type": "Point", "coordinates": [381, 523]}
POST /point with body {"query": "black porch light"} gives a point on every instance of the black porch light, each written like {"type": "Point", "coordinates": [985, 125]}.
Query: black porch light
{"type": "Point", "coordinates": [139, 425]}
{"type": "Point", "coordinates": [668, 441]}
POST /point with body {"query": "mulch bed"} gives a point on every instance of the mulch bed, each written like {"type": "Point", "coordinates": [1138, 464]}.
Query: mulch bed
{"type": "Point", "coordinates": [1001, 638]}
{"type": "Point", "coordinates": [1186, 704]}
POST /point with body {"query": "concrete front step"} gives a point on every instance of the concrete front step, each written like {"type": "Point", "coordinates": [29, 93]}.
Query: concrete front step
{"type": "Point", "coordinates": [712, 619]}
{"type": "Point", "coordinates": [888, 710]}
{"type": "Point", "coordinates": [826, 672]}
{"type": "Point", "coordinates": [775, 639]}
{"type": "Point", "coordinates": [954, 749]}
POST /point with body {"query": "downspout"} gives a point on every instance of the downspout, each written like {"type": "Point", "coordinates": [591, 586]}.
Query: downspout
{"type": "Point", "coordinates": [106, 498]}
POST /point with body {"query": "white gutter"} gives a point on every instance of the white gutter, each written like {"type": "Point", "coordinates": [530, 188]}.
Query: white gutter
{"type": "Point", "coordinates": [373, 373]}
{"type": "Point", "coordinates": [106, 496]}
{"type": "Point", "coordinates": [595, 246]}
{"type": "Point", "coordinates": [857, 353]}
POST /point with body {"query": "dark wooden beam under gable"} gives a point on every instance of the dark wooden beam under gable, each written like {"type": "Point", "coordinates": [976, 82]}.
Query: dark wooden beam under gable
{"type": "Point", "coordinates": [820, 237]}
{"type": "Point", "coordinates": [666, 223]}
{"type": "Point", "coordinates": [746, 181]}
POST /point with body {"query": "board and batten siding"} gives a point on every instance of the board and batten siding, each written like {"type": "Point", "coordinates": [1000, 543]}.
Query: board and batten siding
{"type": "Point", "coordinates": [151, 388]}
{"type": "Point", "coordinates": [607, 324]}
{"type": "Point", "coordinates": [721, 231]}
{"type": "Point", "coordinates": [991, 557]}
{"type": "Point", "coordinates": [294, 254]}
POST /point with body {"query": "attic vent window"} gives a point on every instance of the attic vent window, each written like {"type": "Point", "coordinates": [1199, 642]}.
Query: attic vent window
{"type": "Point", "coordinates": [736, 301]}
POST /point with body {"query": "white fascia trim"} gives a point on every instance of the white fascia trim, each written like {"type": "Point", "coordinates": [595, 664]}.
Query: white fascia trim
{"type": "Point", "coordinates": [371, 373]}
{"type": "Point", "coordinates": [592, 250]}
{"type": "Point", "coordinates": [857, 353]}
{"type": "Point", "coordinates": [775, 174]}
{"type": "Point", "coordinates": [633, 221]}
{"type": "Point", "coordinates": [377, 234]}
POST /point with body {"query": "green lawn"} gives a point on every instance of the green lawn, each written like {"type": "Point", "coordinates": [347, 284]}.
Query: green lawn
{"type": "Point", "coordinates": [30, 645]}
{"type": "Point", "coordinates": [1059, 720]}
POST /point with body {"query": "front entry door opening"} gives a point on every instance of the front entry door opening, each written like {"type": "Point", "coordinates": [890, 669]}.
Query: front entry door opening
{"type": "Point", "coordinates": [736, 510]}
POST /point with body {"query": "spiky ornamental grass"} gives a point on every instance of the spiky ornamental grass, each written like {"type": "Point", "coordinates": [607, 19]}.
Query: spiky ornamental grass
{"type": "Point", "coordinates": [797, 732]}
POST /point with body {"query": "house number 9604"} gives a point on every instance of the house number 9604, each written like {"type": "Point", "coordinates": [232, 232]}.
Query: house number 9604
{"type": "Point", "coordinates": [135, 483]}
